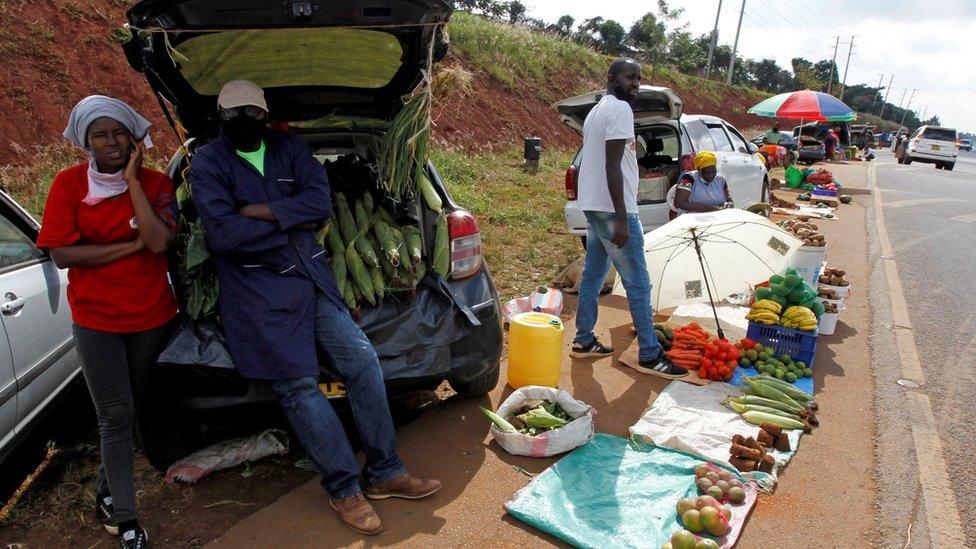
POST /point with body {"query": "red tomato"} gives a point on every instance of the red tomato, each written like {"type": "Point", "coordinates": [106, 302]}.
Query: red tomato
{"type": "Point", "coordinates": [731, 365]}
{"type": "Point", "coordinates": [703, 373]}
{"type": "Point", "coordinates": [728, 377]}
{"type": "Point", "coordinates": [706, 363]}
{"type": "Point", "coordinates": [748, 343]}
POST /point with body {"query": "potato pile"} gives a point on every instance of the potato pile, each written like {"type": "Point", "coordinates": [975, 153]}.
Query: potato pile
{"type": "Point", "coordinates": [834, 277]}
{"type": "Point", "coordinates": [826, 293]}
{"type": "Point", "coordinates": [830, 308]}
{"type": "Point", "coordinates": [806, 231]}
{"type": "Point", "coordinates": [778, 202]}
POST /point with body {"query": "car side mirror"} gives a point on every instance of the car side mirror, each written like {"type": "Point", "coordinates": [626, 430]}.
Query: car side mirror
{"type": "Point", "coordinates": [753, 149]}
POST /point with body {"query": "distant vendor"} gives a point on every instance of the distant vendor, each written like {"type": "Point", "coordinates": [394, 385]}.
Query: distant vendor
{"type": "Point", "coordinates": [773, 136]}
{"type": "Point", "coordinates": [702, 190]}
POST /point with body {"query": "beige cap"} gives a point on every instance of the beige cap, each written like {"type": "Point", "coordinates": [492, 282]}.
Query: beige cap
{"type": "Point", "coordinates": [241, 93]}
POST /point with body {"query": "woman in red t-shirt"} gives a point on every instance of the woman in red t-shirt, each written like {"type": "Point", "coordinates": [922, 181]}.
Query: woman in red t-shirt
{"type": "Point", "coordinates": [109, 221]}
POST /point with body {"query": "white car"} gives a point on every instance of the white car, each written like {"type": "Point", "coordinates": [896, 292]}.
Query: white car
{"type": "Point", "coordinates": [667, 140]}
{"type": "Point", "coordinates": [932, 145]}
{"type": "Point", "coordinates": [37, 351]}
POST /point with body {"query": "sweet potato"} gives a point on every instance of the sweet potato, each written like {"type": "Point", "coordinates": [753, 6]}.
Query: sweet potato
{"type": "Point", "coordinates": [751, 443]}
{"type": "Point", "coordinates": [782, 442]}
{"type": "Point", "coordinates": [766, 464]}
{"type": "Point", "coordinates": [738, 439]}
{"type": "Point", "coordinates": [771, 428]}
{"type": "Point", "coordinates": [744, 465]}
{"type": "Point", "coordinates": [765, 438]}
{"type": "Point", "coordinates": [738, 450]}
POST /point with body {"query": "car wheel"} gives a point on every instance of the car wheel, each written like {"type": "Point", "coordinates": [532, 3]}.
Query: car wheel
{"type": "Point", "coordinates": [939, 166]}
{"type": "Point", "coordinates": [906, 160]}
{"type": "Point", "coordinates": [478, 386]}
{"type": "Point", "coordinates": [948, 167]}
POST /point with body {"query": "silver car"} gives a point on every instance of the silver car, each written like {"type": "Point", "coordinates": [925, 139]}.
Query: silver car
{"type": "Point", "coordinates": [37, 351]}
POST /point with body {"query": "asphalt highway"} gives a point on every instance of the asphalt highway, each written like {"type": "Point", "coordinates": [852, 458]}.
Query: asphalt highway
{"type": "Point", "coordinates": [929, 218]}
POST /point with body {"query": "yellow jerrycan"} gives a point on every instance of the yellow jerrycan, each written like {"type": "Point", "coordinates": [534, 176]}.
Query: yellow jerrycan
{"type": "Point", "coordinates": [535, 350]}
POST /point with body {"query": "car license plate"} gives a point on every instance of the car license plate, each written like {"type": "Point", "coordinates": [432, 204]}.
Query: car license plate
{"type": "Point", "coordinates": [333, 389]}
{"type": "Point", "coordinates": [935, 147]}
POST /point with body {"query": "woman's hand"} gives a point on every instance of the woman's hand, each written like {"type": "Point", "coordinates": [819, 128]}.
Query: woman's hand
{"type": "Point", "coordinates": [132, 167]}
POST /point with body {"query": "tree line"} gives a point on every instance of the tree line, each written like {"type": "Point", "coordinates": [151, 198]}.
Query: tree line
{"type": "Point", "coordinates": [661, 39]}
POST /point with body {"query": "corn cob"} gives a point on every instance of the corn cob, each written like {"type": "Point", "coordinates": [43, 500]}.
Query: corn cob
{"type": "Point", "coordinates": [349, 295]}
{"type": "Point", "coordinates": [377, 279]}
{"type": "Point", "coordinates": [411, 233]}
{"type": "Point", "coordinates": [324, 233]}
{"type": "Point", "coordinates": [388, 246]}
{"type": "Point", "coordinates": [388, 219]}
{"type": "Point", "coordinates": [339, 270]}
{"type": "Point", "coordinates": [429, 193]}
{"type": "Point", "coordinates": [405, 261]}
{"type": "Point", "coordinates": [419, 274]}
{"type": "Point", "coordinates": [757, 418]}
{"type": "Point", "coordinates": [368, 202]}
{"type": "Point", "coordinates": [366, 251]}
{"type": "Point", "coordinates": [347, 224]}
{"type": "Point", "coordinates": [362, 218]}
{"type": "Point", "coordinates": [360, 275]}
{"type": "Point", "coordinates": [442, 253]}
{"type": "Point", "coordinates": [333, 240]}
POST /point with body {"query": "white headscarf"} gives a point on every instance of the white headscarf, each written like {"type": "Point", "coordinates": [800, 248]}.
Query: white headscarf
{"type": "Point", "coordinates": [101, 185]}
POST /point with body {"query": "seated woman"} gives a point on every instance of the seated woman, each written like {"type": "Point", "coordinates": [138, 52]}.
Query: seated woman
{"type": "Point", "coordinates": [702, 190]}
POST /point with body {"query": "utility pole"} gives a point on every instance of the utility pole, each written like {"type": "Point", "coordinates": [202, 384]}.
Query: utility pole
{"type": "Point", "coordinates": [885, 100]}
{"type": "Point", "coordinates": [735, 45]}
{"type": "Point", "coordinates": [904, 113]}
{"type": "Point", "coordinates": [711, 43]}
{"type": "Point", "coordinates": [875, 100]}
{"type": "Point", "coordinates": [924, 110]}
{"type": "Point", "coordinates": [846, 66]}
{"type": "Point", "coordinates": [833, 63]}
{"type": "Point", "coordinates": [900, 100]}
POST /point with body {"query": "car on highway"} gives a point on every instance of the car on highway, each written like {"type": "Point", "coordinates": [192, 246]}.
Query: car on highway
{"type": "Point", "coordinates": [931, 145]}
{"type": "Point", "coordinates": [38, 360]}
{"type": "Point", "coordinates": [335, 77]}
{"type": "Point", "coordinates": [666, 141]}
{"type": "Point", "coordinates": [966, 145]}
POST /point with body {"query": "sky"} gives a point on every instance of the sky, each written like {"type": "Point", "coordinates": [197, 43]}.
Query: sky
{"type": "Point", "coordinates": [927, 45]}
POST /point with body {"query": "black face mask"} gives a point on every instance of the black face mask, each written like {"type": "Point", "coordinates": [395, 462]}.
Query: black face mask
{"type": "Point", "coordinates": [244, 131]}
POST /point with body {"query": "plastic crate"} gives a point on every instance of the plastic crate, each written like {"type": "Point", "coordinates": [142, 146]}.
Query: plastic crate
{"type": "Point", "coordinates": [800, 345]}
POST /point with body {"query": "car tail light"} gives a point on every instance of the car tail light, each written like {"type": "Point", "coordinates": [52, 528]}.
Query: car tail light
{"type": "Point", "coordinates": [571, 182]}
{"type": "Point", "coordinates": [465, 244]}
{"type": "Point", "coordinates": [687, 162]}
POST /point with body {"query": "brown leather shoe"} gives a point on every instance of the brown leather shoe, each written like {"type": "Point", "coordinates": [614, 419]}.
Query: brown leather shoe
{"type": "Point", "coordinates": [403, 486]}
{"type": "Point", "coordinates": [358, 514]}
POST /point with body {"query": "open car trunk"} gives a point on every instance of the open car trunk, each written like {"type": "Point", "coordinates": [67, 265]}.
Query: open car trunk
{"type": "Point", "coordinates": [653, 104]}
{"type": "Point", "coordinates": [313, 58]}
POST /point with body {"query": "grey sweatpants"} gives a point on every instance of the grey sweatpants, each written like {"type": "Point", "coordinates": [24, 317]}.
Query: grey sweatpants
{"type": "Point", "coordinates": [116, 368]}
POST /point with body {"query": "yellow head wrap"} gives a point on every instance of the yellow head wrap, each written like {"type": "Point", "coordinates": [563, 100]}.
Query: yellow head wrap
{"type": "Point", "coordinates": [705, 159]}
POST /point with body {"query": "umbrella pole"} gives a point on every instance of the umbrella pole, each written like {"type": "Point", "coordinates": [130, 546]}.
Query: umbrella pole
{"type": "Point", "coordinates": [711, 300]}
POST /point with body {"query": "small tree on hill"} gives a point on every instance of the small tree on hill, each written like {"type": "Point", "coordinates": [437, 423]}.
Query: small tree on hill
{"type": "Point", "coordinates": [612, 36]}
{"type": "Point", "coordinates": [564, 26]}
{"type": "Point", "coordinates": [516, 12]}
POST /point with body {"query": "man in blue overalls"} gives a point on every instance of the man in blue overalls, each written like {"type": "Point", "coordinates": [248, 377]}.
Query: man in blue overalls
{"type": "Point", "coordinates": [259, 194]}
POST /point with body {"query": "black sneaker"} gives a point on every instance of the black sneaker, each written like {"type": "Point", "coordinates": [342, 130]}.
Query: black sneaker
{"type": "Point", "coordinates": [105, 513]}
{"type": "Point", "coordinates": [593, 349]}
{"type": "Point", "coordinates": [661, 367]}
{"type": "Point", "coordinates": [136, 538]}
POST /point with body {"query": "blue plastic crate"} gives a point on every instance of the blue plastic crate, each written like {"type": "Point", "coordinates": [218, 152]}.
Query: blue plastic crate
{"type": "Point", "coordinates": [800, 345]}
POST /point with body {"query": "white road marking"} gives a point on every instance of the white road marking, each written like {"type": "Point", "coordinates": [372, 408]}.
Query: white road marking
{"type": "Point", "coordinates": [941, 511]}
{"type": "Point", "coordinates": [919, 202]}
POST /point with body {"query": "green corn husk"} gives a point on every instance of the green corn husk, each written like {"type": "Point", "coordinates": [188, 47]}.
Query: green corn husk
{"type": "Point", "coordinates": [333, 240]}
{"type": "Point", "coordinates": [324, 233]}
{"type": "Point", "coordinates": [442, 252]}
{"type": "Point", "coordinates": [404, 147]}
{"type": "Point", "coordinates": [760, 401]}
{"type": "Point", "coordinates": [388, 245]}
{"type": "Point", "coordinates": [376, 278]}
{"type": "Point", "coordinates": [347, 223]}
{"type": "Point", "coordinates": [498, 420]}
{"type": "Point", "coordinates": [541, 419]}
{"type": "Point", "coordinates": [743, 408]}
{"type": "Point", "coordinates": [366, 251]}
{"type": "Point", "coordinates": [784, 386]}
{"type": "Point", "coordinates": [368, 202]}
{"type": "Point", "coordinates": [419, 273]}
{"type": "Point", "coordinates": [411, 236]}
{"type": "Point", "coordinates": [349, 295]}
{"type": "Point", "coordinates": [405, 262]}
{"type": "Point", "coordinates": [429, 193]}
{"type": "Point", "coordinates": [385, 217]}
{"type": "Point", "coordinates": [770, 392]}
{"type": "Point", "coordinates": [339, 270]}
{"type": "Point", "coordinates": [360, 275]}
{"type": "Point", "coordinates": [362, 218]}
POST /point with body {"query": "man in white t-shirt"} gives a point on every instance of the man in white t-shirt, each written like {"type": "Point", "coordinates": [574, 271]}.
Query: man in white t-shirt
{"type": "Point", "coordinates": [608, 198]}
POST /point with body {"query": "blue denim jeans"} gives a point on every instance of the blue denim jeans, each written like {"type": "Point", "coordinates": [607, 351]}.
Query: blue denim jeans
{"type": "Point", "coordinates": [632, 269]}
{"type": "Point", "coordinates": [315, 422]}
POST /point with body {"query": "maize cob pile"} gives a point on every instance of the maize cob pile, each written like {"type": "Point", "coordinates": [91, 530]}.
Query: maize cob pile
{"type": "Point", "coordinates": [372, 256]}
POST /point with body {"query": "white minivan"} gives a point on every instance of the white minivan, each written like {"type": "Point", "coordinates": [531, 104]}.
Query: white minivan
{"type": "Point", "coordinates": [666, 142]}
{"type": "Point", "coordinates": [932, 145]}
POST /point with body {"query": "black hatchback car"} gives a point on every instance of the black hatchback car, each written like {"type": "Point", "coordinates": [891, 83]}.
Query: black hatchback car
{"type": "Point", "coordinates": [335, 73]}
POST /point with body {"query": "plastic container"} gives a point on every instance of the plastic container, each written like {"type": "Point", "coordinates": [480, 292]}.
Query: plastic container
{"type": "Point", "coordinates": [800, 345]}
{"type": "Point", "coordinates": [808, 262]}
{"type": "Point", "coordinates": [842, 291]}
{"type": "Point", "coordinates": [828, 322]}
{"type": "Point", "coordinates": [535, 350]}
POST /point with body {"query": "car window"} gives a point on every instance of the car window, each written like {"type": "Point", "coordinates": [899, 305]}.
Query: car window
{"type": "Point", "coordinates": [939, 134]}
{"type": "Point", "coordinates": [738, 143]}
{"type": "Point", "coordinates": [15, 246]}
{"type": "Point", "coordinates": [699, 136]}
{"type": "Point", "coordinates": [720, 138]}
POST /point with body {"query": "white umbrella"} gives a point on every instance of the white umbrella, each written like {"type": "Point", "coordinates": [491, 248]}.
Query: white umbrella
{"type": "Point", "coordinates": [699, 257]}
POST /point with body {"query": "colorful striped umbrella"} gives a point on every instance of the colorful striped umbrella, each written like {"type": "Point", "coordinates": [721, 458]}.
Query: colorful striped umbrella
{"type": "Point", "coordinates": [805, 105]}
